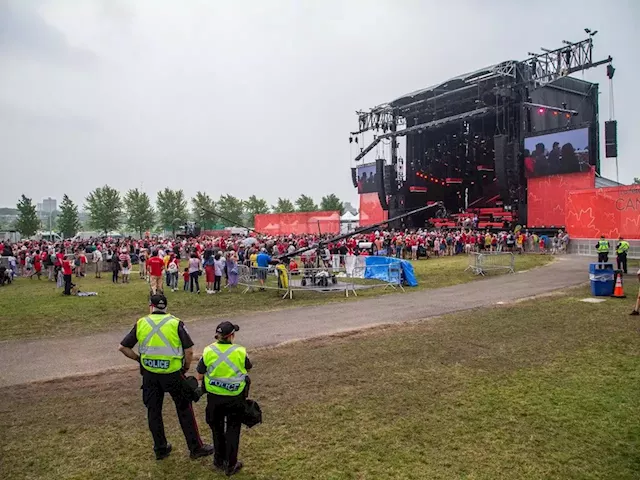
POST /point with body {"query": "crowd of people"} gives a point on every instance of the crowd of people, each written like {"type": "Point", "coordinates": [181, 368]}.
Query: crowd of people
{"type": "Point", "coordinates": [164, 261]}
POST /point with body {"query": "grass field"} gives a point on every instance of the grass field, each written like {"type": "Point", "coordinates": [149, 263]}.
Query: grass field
{"type": "Point", "coordinates": [545, 389]}
{"type": "Point", "coordinates": [32, 308]}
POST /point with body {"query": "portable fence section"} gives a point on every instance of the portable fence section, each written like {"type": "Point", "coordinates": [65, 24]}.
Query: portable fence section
{"type": "Point", "coordinates": [483, 263]}
{"type": "Point", "coordinates": [336, 273]}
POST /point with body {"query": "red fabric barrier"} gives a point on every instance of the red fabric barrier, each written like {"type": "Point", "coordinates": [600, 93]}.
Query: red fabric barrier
{"type": "Point", "coordinates": [370, 210]}
{"type": "Point", "coordinates": [611, 211]}
{"type": "Point", "coordinates": [546, 197]}
{"type": "Point", "coordinates": [297, 223]}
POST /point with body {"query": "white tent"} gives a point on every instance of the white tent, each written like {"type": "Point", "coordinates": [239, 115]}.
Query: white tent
{"type": "Point", "coordinates": [349, 217]}
{"type": "Point", "coordinates": [348, 222]}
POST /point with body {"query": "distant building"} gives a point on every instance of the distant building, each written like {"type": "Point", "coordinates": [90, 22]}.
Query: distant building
{"type": "Point", "coordinates": [349, 208]}
{"type": "Point", "coordinates": [48, 205]}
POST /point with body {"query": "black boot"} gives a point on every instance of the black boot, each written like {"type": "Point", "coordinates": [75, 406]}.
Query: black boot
{"type": "Point", "coordinates": [163, 452]}
{"type": "Point", "coordinates": [235, 469]}
{"type": "Point", "coordinates": [204, 451]}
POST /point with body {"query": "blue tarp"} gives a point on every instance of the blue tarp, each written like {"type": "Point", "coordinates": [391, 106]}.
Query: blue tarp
{"type": "Point", "coordinates": [373, 270]}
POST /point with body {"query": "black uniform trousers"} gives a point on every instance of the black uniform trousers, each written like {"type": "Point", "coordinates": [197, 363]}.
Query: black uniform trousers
{"type": "Point", "coordinates": [67, 284]}
{"type": "Point", "coordinates": [224, 416]}
{"type": "Point", "coordinates": [154, 386]}
{"type": "Point", "coordinates": [622, 262]}
{"type": "Point", "coordinates": [603, 257]}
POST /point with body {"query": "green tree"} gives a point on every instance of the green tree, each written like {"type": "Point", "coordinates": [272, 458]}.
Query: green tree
{"type": "Point", "coordinates": [331, 203]}
{"type": "Point", "coordinates": [231, 208]}
{"type": "Point", "coordinates": [172, 209]}
{"type": "Point", "coordinates": [306, 204]}
{"type": "Point", "coordinates": [104, 206]}
{"type": "Point", "coordinates": [27, 222]}
{"type": "Point", "coordinates": [284, 205]}
{"type": "Point", "coordinates": [68, 220]}
{"type": "Point", "coordinates": [255, 206]}
{"type": "Point", "coordinates": [139, 211]}
{"type": "Point", "coordinates": [636, 181]}
{"type": "Point", "coordinates": [201, 203]}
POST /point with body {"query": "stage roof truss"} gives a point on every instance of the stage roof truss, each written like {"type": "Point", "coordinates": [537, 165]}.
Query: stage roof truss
{"type": "Point", "coordinates": [537, 70]}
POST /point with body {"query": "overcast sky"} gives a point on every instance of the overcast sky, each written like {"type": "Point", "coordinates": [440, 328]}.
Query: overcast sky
{"type": "Point", "coordinates": [257, 97]}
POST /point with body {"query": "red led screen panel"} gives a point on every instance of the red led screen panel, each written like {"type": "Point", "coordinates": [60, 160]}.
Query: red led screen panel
{"type": "Point", "coordinates": [370, 210]}
{"type": "Point", "coordinates": [611, 211]}
{"type": "Point", "coordinates": [297, 223]}
{"type": "Point", "coordinates": [546, 197]}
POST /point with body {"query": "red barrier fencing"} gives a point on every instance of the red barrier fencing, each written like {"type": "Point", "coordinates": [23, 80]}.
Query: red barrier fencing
{"type": "Point", "coordinates": [611, 211]}
{"type": "Point", "coordinates": [297, 223]}
{"type": "Point", "coordinates": [546, 197]}
{"type": "Point", "coordinates": [370, 210]}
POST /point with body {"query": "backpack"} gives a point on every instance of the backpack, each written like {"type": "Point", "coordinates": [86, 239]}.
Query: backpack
{"type": "Point", "coordinates": [125, 263]}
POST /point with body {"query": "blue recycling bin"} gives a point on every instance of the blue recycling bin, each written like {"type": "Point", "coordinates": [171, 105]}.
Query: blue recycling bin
{"type": "Point", "coordinates": [601, 276]}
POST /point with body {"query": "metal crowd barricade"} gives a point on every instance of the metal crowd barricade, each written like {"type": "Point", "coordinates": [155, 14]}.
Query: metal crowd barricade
{"type": "Point", "coordinates": [483, 263]}
{"type": "Point", "coordinates": [338, 273]}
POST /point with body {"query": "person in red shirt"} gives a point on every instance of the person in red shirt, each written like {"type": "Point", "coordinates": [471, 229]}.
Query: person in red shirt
{"type": "Point", "coordinates": [37, 264]}
{"type": "Point", "coordinates": [67, 270]}
{"type": "Point", "coordinates": [155, 266]}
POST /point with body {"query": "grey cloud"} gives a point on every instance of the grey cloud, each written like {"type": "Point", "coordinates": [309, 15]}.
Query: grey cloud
{"type": "Point", "coordinates": [24, 32]}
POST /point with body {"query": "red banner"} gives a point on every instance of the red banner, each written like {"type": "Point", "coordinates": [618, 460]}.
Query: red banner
{"type": "Point", "coordinates": [298, 223]}
{"type": "Point", "coordinates": [612, 212]}
{"type": "Point", "coordinates": [546, 197]}
{"type": "Point", "coordinates": [370, 210]}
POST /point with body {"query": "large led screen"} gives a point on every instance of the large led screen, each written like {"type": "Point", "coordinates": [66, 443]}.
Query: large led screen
{"type": "Point", "coordinates": [367, 178]}
{"type": "Point", "coordinates": [557, 153]}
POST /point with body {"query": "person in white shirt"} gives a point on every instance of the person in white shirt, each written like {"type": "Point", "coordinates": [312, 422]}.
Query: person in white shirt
{"type": "Point", "coordinates": [218, 264]}
{"type": "Point", "coordinates": [97, 261]}
{"type": "Point", "coordinates": [172, 271]}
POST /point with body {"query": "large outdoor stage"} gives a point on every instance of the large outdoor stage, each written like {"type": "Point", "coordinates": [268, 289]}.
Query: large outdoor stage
{"type": "Point", "coordinates": [513, 137]}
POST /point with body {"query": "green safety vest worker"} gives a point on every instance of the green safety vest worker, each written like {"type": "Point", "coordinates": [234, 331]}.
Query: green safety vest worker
{"type": "Point", "coordinates": [603, 246]}
{"type": "Point", "coordinates": [623, 246]}
{"type": "Point", "coordinates": [226, 373]}
{"type": "Point", "coordinates": [160, 347]}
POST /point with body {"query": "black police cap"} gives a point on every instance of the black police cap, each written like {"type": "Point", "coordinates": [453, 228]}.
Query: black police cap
{"type": "Point", "coordinates": [226, 328]}
{"type": "Point", "coordinates": [158, 300]}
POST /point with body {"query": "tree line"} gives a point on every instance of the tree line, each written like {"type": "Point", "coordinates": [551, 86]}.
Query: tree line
{"type": "Point", "coordinates": [109, 210]}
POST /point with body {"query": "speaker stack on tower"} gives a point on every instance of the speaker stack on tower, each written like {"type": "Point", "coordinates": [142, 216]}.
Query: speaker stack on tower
{"type": "Point", "coordinates": [380, 183]}
{"type": "Point", "coordinates": [354, 177]}
{"type": "Point", "coordinates": [611, 139]}
{"type": "Point", "coordinates": [500, 151]}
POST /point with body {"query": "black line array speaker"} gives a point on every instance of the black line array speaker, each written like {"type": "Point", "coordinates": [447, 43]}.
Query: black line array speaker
{"type": "Point", "coordinates": [500, 152]}
{"type": "Point", "coordinates": [611, 139]}
{"type": "Point", "coordinates": [380, 182]}
{"type": "Point", "coordinates": [354, 177]}
{"type": "Point", "coordinates": [390, 184]}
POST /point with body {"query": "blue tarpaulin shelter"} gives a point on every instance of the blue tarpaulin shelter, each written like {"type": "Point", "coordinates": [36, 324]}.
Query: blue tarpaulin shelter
{"type": "Point", "coordinates": [373, 270]}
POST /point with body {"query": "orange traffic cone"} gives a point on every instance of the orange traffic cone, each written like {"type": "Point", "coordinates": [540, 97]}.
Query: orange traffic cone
{"type": "Point", "coordinates": [618, 291]}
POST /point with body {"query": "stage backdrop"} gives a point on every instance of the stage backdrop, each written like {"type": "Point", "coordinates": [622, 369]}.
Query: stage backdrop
{"type": "Point", "coordinates": [370, 210]}
{"type": "Point", "coordinates": [611, 211]}
{"type": "Point", "coordinates": [546, 197]}
{"type": "Point", "coordinates": [298, 223]}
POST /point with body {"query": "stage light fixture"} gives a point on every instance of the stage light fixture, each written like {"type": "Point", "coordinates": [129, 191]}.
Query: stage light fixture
{"type": "Point", "coordinates": [541, 110]}
{"type": "Point", "coordinates": [568, 115]}
{"type": "Point", "coordinates": [555, 113]}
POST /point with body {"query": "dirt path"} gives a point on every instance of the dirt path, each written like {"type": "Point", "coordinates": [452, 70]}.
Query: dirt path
{"type": "Point", "coordinates": [26, 361]}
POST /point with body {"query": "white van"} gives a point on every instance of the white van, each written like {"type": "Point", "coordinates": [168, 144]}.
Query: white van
{"type": "Point", "coordinates": [82, 236]}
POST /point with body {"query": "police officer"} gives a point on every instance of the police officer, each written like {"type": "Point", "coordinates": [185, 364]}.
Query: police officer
{"type": "Point", "coordinates": [224, 367]}
{"type": "Point", "coordinates": [603, 250]}
{"type": "Point", "coordinates": [621, 251]}
{"type": "Point", "coordinates": [166, 351]}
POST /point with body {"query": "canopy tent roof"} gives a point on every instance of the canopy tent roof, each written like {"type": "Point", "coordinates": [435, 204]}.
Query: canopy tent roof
{"type": "Point", "coordinates": [349, 217]}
